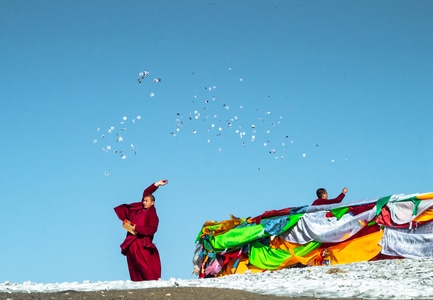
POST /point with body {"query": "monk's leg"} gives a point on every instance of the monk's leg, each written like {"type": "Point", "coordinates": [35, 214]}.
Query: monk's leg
{"type": "Point", "coordinates": [133, 258]}
{"type": "Point", "coordinates": [150, 263]}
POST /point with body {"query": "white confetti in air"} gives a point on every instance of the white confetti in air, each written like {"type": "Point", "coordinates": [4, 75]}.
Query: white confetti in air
{"type": "Point", "coordinates": [106, 173]}
{"type": "Point", "coordinates": [133, 149]}
{"type": "Point", "coordinates": [247, 120]}
{"type": "Point", "coordinates": [304, 155]}
{"type": "Point", "coordinates": [142, 75]}
{"type": "Point", "coordinates": [124, 125]}
{"type": "Point", "coordinates": [332, 160]}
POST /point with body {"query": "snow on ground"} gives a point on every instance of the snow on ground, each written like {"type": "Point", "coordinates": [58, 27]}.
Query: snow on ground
{"type": "Point", "coordinates": [386, 279]}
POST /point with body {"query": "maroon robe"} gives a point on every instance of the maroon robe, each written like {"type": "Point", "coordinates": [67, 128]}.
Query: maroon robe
{"type": "Point", "coordinates": [141, 254]}
{"type": "Point", "coordinates": [321, 201]}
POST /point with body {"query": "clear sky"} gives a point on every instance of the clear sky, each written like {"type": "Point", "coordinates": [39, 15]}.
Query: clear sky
{"type": "Point", "coordinates": [259, 104]}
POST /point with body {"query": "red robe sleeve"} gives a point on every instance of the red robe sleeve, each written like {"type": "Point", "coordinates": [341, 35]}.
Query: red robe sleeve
{"type": "Point", "coordinates": [122, 211]}
{"type": "Point", "coordinates": [150, 190]}
{"type": "Point", "coordinates": [321, 201]}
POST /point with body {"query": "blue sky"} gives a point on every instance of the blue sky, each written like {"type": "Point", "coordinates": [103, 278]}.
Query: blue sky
{"type": "Point", "coordinates": [260, 103]}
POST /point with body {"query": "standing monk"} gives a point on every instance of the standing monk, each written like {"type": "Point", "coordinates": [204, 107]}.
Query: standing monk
{"type": "Point", "coordinates": [141, 221]}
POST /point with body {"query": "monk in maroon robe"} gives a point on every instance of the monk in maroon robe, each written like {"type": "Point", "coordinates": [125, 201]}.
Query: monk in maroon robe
{"type": "Point", "coordinates": [141, 221]}
{"type": "Point", "coordinates": [322, 197]}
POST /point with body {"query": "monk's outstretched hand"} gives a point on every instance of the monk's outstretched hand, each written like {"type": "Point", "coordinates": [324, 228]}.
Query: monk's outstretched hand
{"type": "Point", "coordinates": [161, 182]}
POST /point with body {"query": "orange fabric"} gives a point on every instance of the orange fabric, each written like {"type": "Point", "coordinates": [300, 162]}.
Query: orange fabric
{"type": "Point", "coordinates": [242, 267]}
{"type": "Point", "coordinates": [425, 196]}
{"type": "Point", "coordinates": [279, 243]}
{"type": "Point", "coordinates": [363, 248]}
{"type": "Point", "coordinates": [425, 216]}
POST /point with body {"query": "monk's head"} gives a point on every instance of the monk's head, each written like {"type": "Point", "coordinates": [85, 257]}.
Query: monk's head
{"type": "Point", "coordinates": [322, 193]}
{"type": "Point", "coordinates": [148, 201]}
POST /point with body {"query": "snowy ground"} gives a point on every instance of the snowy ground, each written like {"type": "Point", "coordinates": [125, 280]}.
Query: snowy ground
{"type": "Point", "coordinates": [387, 279]}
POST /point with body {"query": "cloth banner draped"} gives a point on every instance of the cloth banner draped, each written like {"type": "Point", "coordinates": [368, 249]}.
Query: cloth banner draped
{"type": "Point", "coordinates": [402, 212]}
{"type": "Point", "coordinates": [316, 227]}
{"type": "Point", "coordinates": [410, 245]}
{"type": "Point", "coordinates": [392, 226]}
